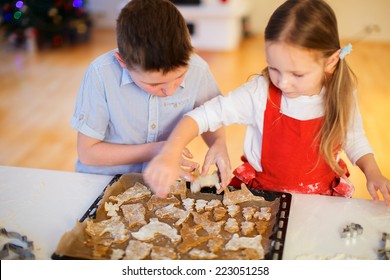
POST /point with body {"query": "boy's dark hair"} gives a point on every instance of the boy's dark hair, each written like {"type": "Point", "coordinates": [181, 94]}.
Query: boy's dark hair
{"type": "Point", "coordinates": [152, 35]}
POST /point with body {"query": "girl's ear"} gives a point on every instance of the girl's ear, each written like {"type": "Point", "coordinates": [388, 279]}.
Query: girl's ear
{"type": "Point", "coordinates": [120, 60]}
{"type": "Point", "coordinates": [332, 61]}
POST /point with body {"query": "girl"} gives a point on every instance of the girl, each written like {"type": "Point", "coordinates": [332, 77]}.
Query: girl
{"type": "Point", "coordinates": [300, 112]}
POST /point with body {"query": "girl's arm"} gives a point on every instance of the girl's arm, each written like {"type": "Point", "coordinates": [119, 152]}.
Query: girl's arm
{"type": "Point", "coordinates": [239, 106]}
{"type": "Point", "coordinates": [164, 168]}
{"type": "Point", "coordinates": [375, 180]}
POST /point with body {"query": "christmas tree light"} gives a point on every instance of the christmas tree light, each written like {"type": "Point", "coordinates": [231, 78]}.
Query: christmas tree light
{"type": "Point", "coordinates": [55, 22]}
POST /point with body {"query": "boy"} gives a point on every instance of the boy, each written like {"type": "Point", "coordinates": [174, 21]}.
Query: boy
{"type": "Point", "coordinates": [132, 97]}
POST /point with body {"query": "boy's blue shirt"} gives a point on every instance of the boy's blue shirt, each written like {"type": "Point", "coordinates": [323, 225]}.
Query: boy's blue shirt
{"type": "Point", "coordinates": [112, 108]}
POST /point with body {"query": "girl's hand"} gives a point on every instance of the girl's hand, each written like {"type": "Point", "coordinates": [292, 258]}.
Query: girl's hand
{"type": "Point", "coordinates": [162, 172]}
{"type": "Point", "coordinates": [218, 155]}
{"type": "Point", "coordinates": [377, 182]}
{"type": "Point", "coordinates": [165, 168]}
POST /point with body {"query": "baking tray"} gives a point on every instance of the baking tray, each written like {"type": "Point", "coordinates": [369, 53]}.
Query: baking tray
{"type": "Point", "coordinates": [279, 230]}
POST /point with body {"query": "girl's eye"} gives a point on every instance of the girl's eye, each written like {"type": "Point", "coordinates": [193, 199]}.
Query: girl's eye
{"type": "Point", "coordinates": [298, 75]}
{"type": "Point", "coordinates": [273, 70]}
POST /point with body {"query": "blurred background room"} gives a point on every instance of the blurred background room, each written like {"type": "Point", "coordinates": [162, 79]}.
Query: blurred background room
{"type": "Point", "coordinates": [46, 46]}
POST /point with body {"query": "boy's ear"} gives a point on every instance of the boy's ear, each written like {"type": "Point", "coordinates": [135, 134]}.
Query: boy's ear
{"type": "Point", "coordinates": [120, 60]}
{"type": "Point", "coordinates": [332, 61]}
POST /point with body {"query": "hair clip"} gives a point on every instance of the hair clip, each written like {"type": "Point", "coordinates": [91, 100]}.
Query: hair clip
{"type": "Point", "coordinates": [346, 50]}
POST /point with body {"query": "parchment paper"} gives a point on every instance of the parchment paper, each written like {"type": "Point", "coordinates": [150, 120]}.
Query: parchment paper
{"type": "Point", "coordinates": [74, 244]}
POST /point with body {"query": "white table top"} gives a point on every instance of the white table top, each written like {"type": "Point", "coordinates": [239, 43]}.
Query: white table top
{"type": "Point", "coordinates": [32, 203]}
{"type": "Point", "coordinates": [316, 223]}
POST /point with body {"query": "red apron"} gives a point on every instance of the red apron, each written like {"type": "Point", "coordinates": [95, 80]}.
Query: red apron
{"type": "Point", "coordinates": [290, 157]}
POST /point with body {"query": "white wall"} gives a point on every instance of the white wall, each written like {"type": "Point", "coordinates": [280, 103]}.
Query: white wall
{"type": "Point", "coordinates": [355, 17]}
{"type": "Point", "coordinates": [105, 12]}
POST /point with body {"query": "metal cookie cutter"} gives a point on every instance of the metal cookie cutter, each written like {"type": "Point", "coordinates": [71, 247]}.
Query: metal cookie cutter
{"type": "Point", "coordinates": [17, 247]}
{"type": "Point", "coordinates": [352, 231]}
{"type": "Point", "coordinates": [384, 253]}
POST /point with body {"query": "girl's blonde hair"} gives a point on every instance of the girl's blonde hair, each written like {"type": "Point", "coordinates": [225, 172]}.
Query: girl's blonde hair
{"type": "Point", "coordinates": [312, 24]}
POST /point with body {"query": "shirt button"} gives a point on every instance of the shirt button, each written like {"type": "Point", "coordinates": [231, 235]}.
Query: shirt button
{"type": "Point", "coordinates": [153, 126]}
{"type": "Point", "coordinates": [81, 117]}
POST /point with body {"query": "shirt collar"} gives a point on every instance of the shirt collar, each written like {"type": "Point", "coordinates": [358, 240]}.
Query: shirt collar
{"type": "Point", "coordinates": [126, 78]}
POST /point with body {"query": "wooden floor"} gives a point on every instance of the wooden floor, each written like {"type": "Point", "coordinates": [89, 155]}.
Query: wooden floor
{"type": "Point", "coordinates": [38, 92]}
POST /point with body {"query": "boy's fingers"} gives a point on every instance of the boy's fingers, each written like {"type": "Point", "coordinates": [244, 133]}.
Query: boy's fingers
{"type": "Point", "coordinates": [189, 163]}
{"type": "Point", "coordinates": [187, 153]}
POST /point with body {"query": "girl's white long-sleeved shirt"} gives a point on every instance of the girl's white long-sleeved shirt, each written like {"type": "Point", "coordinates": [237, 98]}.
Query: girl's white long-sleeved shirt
{"type": "Point", "coordinates": [246, 105]}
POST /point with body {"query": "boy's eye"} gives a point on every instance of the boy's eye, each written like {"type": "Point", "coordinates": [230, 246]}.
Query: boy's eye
{"type": "Point", "coordinates": [152, 85]}
{"type": "Point", "coordinates": [298, 75]}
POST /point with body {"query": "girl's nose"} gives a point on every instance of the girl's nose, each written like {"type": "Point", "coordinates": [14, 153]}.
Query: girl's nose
{"type": "Point", "coordinates": [283, 83]}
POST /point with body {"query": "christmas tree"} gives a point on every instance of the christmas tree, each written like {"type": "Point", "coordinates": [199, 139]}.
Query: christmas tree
{"type": "Point", "coordinates": [51, 23]}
